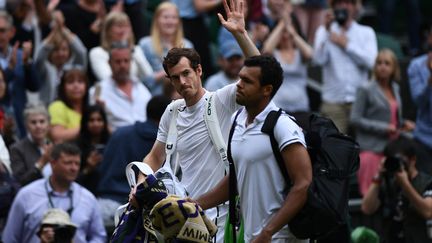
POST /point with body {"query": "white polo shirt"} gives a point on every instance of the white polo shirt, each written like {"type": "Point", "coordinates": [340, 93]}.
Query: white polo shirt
{"type": "Point", "coordinates": [261, 186]}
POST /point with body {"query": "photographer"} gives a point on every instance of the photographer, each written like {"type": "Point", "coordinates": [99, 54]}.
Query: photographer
{"type": "Point", "coordinates": [56, 227]}
{"type": "Point", "coordinates": [402, 194]}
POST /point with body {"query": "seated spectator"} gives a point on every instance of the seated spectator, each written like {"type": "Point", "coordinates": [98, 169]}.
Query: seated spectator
{"type": "Point", "coordinates": [93, 137]}
{"type": "Point", "coordinates": [57, 191]}
{"type": "Point", "coordinates": [117, 28]}
{"type": "Point", "coordinates": [30, 155]}
{"type": "Point", "coordinates": [166, 33]}
{"type": "Point", "coordinates": [123, 95]}
{"type": "Point", "coordinates": [66, 111]}
{"type": "Point", "coordinates": [377, 116]}
{"type": "Point", "coordinates": [292, 52]}
{"type": "Point", "coordinates": [56, 226]}
{"type": "Point", "coordinates": [230, 61]}
{"type": "Point", "coordinates": [60, 49]}
{"type": "Point", "coordinates": [127, 144]}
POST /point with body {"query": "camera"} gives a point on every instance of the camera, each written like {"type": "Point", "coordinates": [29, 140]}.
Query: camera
{"type": "Point", "coordinates": [393, 164]}
{"type": "Point", "coordinates": [63, 233]}
{"type": "Point", "coordinates": [341, 16]}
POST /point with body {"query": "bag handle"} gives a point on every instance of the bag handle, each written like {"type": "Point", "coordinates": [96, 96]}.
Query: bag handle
{"type": "Point", "coordinates": [171, 143]}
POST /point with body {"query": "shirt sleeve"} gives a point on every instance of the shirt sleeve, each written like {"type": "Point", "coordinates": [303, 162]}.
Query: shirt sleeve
{"type": "Point", "coordinates": [420, 89]}
{"type": "Point", "coordinates": [164, 124]}
{"type": "Point", "coordinates": [13, 230]}
{"type": "Point", "coordinates": [97, 233]}
{"type": "Point", "coordinates": [364, 51]}
{"type": "Point", "coordinates": [288, 132]}
{"type": "Point", "coordinates": [321, 55]}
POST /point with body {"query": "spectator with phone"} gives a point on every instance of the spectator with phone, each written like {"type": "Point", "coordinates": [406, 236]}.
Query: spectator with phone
{"type": "Point", "coordinates": [346, 50]}
{"type": "Point", "coordinates": [420, 80]}
{"type": "Point", "coordinates": [93, 137]}
{"type": "Point", "coordinates": [377, 116]}
{"type": "Point", "coordinates": [31, 155]}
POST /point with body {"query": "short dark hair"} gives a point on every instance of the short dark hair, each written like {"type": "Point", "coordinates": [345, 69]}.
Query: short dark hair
{"type": "Point", "coordinates": [119, 45]}
{"type": "Point", "coordinates": [271, 70]}
{"type": "Point", "coordinates": [156, 107]}
{"type": "Point", "coordinates": [403, 146]}
{"type": "Point", "coordinates": [66, 148]}
{"type": "Point", "coordinates": [175, 54]}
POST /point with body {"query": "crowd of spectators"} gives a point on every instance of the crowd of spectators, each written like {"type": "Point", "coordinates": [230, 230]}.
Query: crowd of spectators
{"type": "Point", "coordinates": [85, 78]}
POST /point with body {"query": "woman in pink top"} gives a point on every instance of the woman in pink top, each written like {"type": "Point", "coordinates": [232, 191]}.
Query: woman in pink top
{"type": "Point", "coordinates": [377, 116]}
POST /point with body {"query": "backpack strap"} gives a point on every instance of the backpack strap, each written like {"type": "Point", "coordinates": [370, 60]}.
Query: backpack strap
{"type": "Point", "coordinates": [212, 123]}
{"type": "Point", "coordinates": [268, 128]}
{"type": "Point", "coordinates": [171, 143]}
{"type": "Point", "coordinates": [232, 180]}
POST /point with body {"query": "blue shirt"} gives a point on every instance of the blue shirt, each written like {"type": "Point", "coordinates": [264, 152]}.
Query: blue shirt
{"type": "Point", "coordinates": [32, 201]}
{"type": "Point", "coordinates": [421, 93]}
{"type": "Point", "coordinates": [186, 8]}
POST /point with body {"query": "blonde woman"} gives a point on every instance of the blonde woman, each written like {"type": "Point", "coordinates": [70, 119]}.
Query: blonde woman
{"type": "Point", "coordinates": [377, 116]}
{"type": "Point", "coordinates": [117, 28]}
{"type": "Point", "coordinates": [166, 33]}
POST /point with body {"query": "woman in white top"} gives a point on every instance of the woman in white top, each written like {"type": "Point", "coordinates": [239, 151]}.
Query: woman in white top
{"type": "Point", "coordinates": [292, 51]}
{"type": "Point", "coordinates": [166, 33]}
{"type": "Point", "coordinates": [117, 28]}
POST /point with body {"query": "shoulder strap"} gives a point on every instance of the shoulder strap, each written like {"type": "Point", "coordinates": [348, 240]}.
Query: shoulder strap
{"type": "Point", "coordinates": [232, 180]}
{"type": "Point", "coordinates": [171, 142]}
{"type": "Point", "coordinates": [214, 130]}
{"type": "Point", "coordinates": [268, 128]}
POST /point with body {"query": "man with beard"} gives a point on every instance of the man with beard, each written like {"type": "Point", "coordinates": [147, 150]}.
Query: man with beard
{"type": "Point", "coordinates": [122, 95]}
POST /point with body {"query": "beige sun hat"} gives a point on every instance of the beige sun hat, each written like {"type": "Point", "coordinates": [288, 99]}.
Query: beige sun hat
{"type": "Point", "coordinates": [56, 216]}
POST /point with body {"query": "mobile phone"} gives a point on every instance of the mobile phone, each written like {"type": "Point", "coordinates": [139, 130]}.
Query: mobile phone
{"type": "Point", "coordinates": [100, 148]}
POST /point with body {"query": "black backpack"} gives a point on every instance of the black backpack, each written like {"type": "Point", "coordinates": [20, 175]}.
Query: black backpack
{"type": "Point", "coordinates": [335, 158]}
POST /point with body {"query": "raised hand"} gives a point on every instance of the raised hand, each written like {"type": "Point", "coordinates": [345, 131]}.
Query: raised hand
{"type": "Point", "coordinates": [235, 16]}
{"type": "Point", "coordinates": [13, 56]}
{"type": "Point", "coordinates": [27, 48]}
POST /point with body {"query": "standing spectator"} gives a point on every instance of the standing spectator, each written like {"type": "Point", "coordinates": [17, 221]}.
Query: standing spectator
{"type": "Point", "coordinates": [166, 33]}
{"type": "Point", "coordinates": [60, 49]}
{"type": "Point", "coordinates": [123, 95]}
{"type": "Point", "coordinates": [377, 116]}
{"type": "Point", "coordinates": [200, 163]}
{"type": "Point", "coordinates": [140, 138]}
{"type": "Point", "coordinates": [117, 28]}
{"type": "Point", "coordinates": [420, 79]}
{"type": "Point", "coordinates": [57, 191]}
{"type": "Point", "coordinates": [30, 155]}
{"type": "Point", "coordinates": [66, 111]}
{"type": "Point", "coordinates": [343, 47]}
{"type": "Point", "coordinates": [230, 61]}
{"type": "Point", "coordinates": [93, 137]}
{"type": "Point", "coordinates": [266, 214]}
{"type": "Point", "coordinates": [18, 70]}
{"type": "Point", "coordinates": [311, 15]}
{"type": "Point", "coordinates": [195, 28]}
{"type": "Point", "coordinates": [289, 48]}
{"type": "Point", "coordinates": [91, 15]}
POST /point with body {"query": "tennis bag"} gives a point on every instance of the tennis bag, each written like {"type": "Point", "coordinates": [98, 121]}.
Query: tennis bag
{"type": "Point", "coordinates": [335, 157]}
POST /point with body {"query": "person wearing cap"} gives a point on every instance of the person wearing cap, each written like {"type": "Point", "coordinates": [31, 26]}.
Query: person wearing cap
{"type": "Point", "coordinates": [57, 191]}
{"type": "Point", "coordinates": [56, 226]}
{"type": "Point", "coordinates": [230, 61]}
